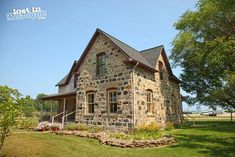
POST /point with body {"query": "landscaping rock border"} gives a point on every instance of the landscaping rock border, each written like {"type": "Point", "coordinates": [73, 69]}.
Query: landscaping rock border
{"type": "Point", "coordinates": [104, 138]}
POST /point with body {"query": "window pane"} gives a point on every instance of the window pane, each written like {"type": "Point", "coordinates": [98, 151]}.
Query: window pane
{"type": "Point", "coordinates": [92, 98]}
{"type": "Point", "coordinates": [90, 102]}
{"type": "Point", "coordinates": [113, 107]}
{"type": "Point", "coordinates": [112, 101]}
{"type": "Point", "coordinates": [110, 97]}
{"type": "Point", "coordinates": [101, 64]}
{"type": "Point", "coordinates": [114, 98]}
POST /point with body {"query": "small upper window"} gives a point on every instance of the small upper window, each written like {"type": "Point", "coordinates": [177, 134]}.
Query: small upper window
{"type": "Point", "coordinates": [161, 70]}
{"type": "Point", "coordinates": [112, 101]}
{"type": "Point", "coordinates": [149, 101]}
{"type": "Point", "coordinates": [91, 102]}
{"type": "Point", "coordinates": [101, 63]}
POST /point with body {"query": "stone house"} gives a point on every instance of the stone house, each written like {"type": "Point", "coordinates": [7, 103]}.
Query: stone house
{"type": "Point", "coordinates": [115, 85]}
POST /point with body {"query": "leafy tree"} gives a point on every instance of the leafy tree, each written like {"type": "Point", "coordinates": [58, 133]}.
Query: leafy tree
{"type": "Point", "coordinates": [46, 104]}
{"type": "Point", "coordinates": [29, 106]}
{"type": "Point", "coordinates": [10, 108]}
{"type": "Point", "coordinates": [205, 48]}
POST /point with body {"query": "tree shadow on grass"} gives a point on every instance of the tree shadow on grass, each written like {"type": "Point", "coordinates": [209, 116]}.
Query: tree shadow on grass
{"type": "Point", "coordinates": [207, 145]}
{"type": "Point", "coordinates": [219, 126]}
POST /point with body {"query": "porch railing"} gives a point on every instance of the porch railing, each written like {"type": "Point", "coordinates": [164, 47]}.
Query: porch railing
{"type": "Point", "coordinates": [53, 118]}
{"type": "Point", "coordinates": [65, 116]}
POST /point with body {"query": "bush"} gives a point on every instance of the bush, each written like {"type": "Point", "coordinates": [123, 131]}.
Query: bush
{"type": "Point", "coordinates": [56, 127]}
{"type": "Point", "coordinates": [140, 133]}
{"type": "Point", "coordinates": [169, 126]}
{"type": "Point", "coordinates": [94, 129]}
{"type": "Point", "coordinates": [27, 123]}
{"type": "Point", "coordinates": [148, 128]}
{"type": "Point", "coordinates": [80, 127]}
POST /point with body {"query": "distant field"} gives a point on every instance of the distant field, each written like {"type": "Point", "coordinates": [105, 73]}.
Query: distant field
{"type": "Point", "coordinates": [214, 139]}
{"type": "Point", "coordinates": [219, 117]}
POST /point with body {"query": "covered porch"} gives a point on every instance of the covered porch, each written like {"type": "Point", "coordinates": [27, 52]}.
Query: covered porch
{"type": "Point", "coordinates": [66, 108]}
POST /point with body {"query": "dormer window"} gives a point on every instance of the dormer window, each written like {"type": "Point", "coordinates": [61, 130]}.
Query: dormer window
{"type": "Point", "coordinates": [100, 64]}
{"type": "Point", "coordinates": [161, 67]}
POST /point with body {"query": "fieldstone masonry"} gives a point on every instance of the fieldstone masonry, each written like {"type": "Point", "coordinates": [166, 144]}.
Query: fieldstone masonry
{"type": "Point", "coordinates": [131, 84]}
{"type": "Point", "coordinates": [118, 76]}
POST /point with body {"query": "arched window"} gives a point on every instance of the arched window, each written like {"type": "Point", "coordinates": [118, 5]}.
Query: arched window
{"type": "Point", "coordinates": [100, 63]}
{"type": "Point", "coordinates": [161, 67]}
{"type": "Point", "coordinates": [149, 101]}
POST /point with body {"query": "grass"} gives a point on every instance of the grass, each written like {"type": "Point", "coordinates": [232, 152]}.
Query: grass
{"type": "Point", "coordinates": [215, 139]}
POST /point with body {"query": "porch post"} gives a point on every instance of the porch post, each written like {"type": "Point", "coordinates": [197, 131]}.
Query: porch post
{"type": "Point", "coordinates": [64, 106]}
{"type": "Point", "coordinates": [51, 110]}
{"type": "Point", "coordinates": [63, 112]}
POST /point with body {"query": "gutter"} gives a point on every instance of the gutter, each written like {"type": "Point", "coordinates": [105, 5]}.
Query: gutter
{"type": "Point", "coordinates": [133, 82]}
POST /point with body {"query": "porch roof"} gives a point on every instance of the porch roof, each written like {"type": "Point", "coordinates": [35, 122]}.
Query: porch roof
{"type": "Point", "coordinates": [59, 95]}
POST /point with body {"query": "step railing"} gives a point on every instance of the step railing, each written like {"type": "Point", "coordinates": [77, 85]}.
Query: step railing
{"type": "Point", "coordinates": [65, 116]}
{"type": "Point", "coordinates": [53, 118]}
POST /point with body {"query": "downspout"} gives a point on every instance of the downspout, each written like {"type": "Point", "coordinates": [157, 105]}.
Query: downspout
{"type": "Point", "coordinates": [133, 89]}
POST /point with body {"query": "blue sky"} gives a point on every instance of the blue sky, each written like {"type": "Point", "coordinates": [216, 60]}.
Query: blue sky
{"type": "Point", "coordinates": [36, 54]}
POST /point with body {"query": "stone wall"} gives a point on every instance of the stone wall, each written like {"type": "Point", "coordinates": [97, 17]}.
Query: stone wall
{"type": "Point", "coordinates": [130, 112]}
{"type": "Point", "coordinates": [118, 75]}
{"type": "Point", "coordinates": [166, 97]}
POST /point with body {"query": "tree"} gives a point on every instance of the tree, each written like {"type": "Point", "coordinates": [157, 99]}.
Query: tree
{"type": "Point", "coordinates": [10, 108]}
{"type": "Point", "coordinates": [46, 104]}
{"type": "Point", "coordinates": [29, 106]}
{"type": "Point", "coordinates": [205, 49]}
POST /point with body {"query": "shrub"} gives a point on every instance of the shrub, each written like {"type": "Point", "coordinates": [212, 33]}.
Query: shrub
{"type": "Point", "coordinates": [169, 126]}
{"type": "Point", "coordinates": [27, 123]}
{"type": "Point", "coordinates": [140, 133]}
{"type": "Point", "coordinates": [56, 127]}
{"type": "Point", "coordinates": [72, 127]}
{"type": "Point", "coordinates": [148, 128]}
{"type": "Point", "coordinates": [94, 129]}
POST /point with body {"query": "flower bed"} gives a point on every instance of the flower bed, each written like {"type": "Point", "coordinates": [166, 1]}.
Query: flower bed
{"type": "Point", "coordinates": [45, 126]}
{"type": "Point", "coordinates": [105, 138]}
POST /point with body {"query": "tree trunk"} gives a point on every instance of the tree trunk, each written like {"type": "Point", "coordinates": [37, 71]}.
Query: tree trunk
{"type": "Point", "coordinates": [231, 115]}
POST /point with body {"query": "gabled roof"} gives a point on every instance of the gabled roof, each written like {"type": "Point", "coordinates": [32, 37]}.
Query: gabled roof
{"type": "Point", "coordinates": [66, 79]}
{"type": "Point", "coordinates": [128, 50]}
{"type": "Point", "coordinates": [152, 54]}
{"type": "Point", "coordinates": [59, 95]}
{"type": "Point", "coordinates": [145, 58]}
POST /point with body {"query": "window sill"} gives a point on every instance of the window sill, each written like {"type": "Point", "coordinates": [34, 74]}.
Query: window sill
{"type": "Point", "coordinates": [89, 115]}
{"type": "Point", "coordinates": [111, 115]}
{"type": "Point", "coordinates": [100, 75]}
{"type": "Point", "coordinates": [150, 115]}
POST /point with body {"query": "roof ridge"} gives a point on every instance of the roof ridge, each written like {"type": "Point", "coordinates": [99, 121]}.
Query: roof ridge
{"type": "Point", "coordinates": [152, 48]}
{"type": "Point", "coordinates": [117, 39]}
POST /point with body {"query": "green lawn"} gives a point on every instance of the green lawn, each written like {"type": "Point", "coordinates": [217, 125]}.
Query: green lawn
{"type": "Point", "coordinates": [207, 141]}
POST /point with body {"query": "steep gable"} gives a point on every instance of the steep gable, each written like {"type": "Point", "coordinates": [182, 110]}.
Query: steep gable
{"type": "Point", "coordinates": [152, 56]}
{"type": "Point", "coordinates": [146, 59]}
